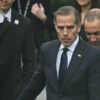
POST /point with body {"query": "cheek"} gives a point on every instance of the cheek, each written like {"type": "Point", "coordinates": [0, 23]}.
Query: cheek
{"type": "Point", "coordinates": [74, 36]}
{"type": "Point", "coordinates": [75, 32]}
{"type": "Point", "coordinates": [99, 37]}
{"type": "Point", "coordinates": [59, 34]}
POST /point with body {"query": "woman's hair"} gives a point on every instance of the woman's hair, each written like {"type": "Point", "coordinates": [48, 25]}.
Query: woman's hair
{"type": "Point", "coordinates": [94, 5]}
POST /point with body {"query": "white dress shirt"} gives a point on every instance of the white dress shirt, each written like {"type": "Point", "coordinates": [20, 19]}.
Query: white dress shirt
{"type": "Point", "coordinates": [7, 15]}
{"type": "Point", "coordinates": [69, 54]}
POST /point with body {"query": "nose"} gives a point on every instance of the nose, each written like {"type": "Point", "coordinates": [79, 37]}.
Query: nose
{"type": "Point", "coordinates": [65, 31]}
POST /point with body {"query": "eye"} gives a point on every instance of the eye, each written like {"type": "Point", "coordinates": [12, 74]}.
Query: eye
{"type": "Point", "coordinates": [88, 33]}
{"type": "Point", "coordinates": [60, 27]}
{"type": "Point", "coordinates": [70, 27]}
{"type": "Point", "coordinates": [96, 33]}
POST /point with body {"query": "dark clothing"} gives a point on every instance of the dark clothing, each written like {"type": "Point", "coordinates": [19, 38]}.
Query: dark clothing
{"type": "Point", "coordinates": [95, 4]}
{"type": "Point", "coordinates": [82, 33]}
{"type": "Point", "coordinates": [42, 32]}
{"type": "Point", "coordinates": [25, 58]}
{"type": "Point", "coordinates": [82, 79]}
{"type": "Point", "coordinates": [7, 58]}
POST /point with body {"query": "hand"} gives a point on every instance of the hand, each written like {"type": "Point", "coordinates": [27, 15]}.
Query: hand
{"type": "Point", "coordinates": [39, 12]}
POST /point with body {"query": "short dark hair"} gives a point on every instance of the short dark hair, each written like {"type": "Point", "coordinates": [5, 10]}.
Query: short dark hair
{"type": "Point", "coordinates": [67, 10]}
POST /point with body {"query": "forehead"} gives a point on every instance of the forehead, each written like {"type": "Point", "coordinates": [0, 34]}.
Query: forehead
{"type": "Point", "coordinates": [65, 19]}
{"type": "Point", "coordinates": [92, 26]}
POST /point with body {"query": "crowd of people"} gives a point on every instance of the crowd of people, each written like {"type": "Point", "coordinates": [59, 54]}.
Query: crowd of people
{"type": "Point", "coordinates": [33, 44]}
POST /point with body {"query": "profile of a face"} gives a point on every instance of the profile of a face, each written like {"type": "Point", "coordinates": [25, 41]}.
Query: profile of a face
{"type": "Point", "coordinates": [93, 32]}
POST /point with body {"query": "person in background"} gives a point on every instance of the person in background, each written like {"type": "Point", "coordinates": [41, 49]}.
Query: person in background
{"type": "Point", "coordinates": [92, 26]}
{"type": "Point", "coordinates": [24, 42]}
{"type": "Point", "coordinates": [7, 58]}
{"type": "Point", "coordinates": [69, 67]}
{"type": "Point", "coordinates": [42, 27]}
{"type": "Point", "coordinates": [83, 6]}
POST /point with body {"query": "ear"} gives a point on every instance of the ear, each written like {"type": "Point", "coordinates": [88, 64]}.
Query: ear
{"type": "Point", "coordinates": [79, 28]}
{"type": "Point", "coordinates": [54, 24]}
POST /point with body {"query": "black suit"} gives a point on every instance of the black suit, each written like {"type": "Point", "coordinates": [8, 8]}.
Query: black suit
{"type": "Point", "coordinates": [25, 51]}
{"type": "Point", "coordinates": [39, 26]}
{"type": "Point", "coordinates": [82, 80]}
{"type": "Point", "coordinates": [7, 58]}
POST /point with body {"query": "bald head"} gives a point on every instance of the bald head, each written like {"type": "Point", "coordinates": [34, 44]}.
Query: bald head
{"type": "Point", "coordinates": [92, 26]}
{"type": "Point", "coordinates": [93, 14]}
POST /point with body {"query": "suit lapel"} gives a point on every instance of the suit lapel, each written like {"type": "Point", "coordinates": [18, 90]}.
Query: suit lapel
{"type": "Point", "coordinates": [76, 60]}
{"type": "Point", "coordinates": [15, 18]}
{"type": "Point", "coordinates": [3, 28]}
{"type": "Point", "coordinates": [53, 56]}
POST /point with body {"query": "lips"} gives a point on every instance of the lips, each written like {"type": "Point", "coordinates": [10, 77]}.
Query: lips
{"type": "Point", "coordinates": [66, 40]}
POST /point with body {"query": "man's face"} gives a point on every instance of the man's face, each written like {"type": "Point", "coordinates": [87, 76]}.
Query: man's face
{"type": "Point", "coordinates": [66, 29]}
{"type": "Point", "coordinates": [84, 2]}
{"type": "Point", "coordinates": [93, 32]}
{"type": "Point", "coordinates": [5, 5]}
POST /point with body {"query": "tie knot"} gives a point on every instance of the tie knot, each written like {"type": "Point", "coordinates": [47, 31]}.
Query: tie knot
{"type": "Point", "coordinates": [65, 49]}
{"type": "Point", "coordinates": [5, 19]}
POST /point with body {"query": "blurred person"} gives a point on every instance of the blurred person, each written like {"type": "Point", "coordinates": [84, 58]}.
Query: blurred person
{"type": "Point", "coordinates": [83, 6]}
{"type": "Point", "coordinates": [69, 67]}
{"type": "Point", "coordinates": [92, 26]}
{"type": "Point", "coordinates": [42, 27]}
{"type": "Point", "coordinates": [7, 58]}
{"type": "Point", "coordinates": [25, 48]}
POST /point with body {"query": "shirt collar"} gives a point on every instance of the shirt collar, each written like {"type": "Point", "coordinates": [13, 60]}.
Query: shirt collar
{"type": "Point", "coordinates": [72, 47]}
{"type": "Point", "coordinates": [1, 18]}
{"type": "Point", "coordinates": [8, 15]}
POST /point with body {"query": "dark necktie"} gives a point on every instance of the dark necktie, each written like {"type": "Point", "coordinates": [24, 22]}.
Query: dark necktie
{"type": "Point", "coordinates": [5, 19]}
{"type": "Point", "coordinates": [63, 65]}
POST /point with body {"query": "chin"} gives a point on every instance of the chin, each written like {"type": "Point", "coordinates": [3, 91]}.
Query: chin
{"type": "Point", "coordinates": [66, 44]}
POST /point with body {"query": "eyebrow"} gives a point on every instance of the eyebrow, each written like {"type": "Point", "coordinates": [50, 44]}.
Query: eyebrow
{"type": "Point", "coordinates": [62, 27]}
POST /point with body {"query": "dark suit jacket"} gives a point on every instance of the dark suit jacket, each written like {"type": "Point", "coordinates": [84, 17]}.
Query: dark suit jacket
{"type": "Point", "coordinates": [82, 80]}
{"type": "Point", "coordinates": [7, 57]}
{"type": "Point", "coordinates": [39, 26]}
{"type": "Point", "coordinates": [25, 51]}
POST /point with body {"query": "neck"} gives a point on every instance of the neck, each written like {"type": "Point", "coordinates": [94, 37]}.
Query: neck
{"type": "Point", "coordinates": [85, 8]}
{"type": "Point", "coordinates": [3, 12]}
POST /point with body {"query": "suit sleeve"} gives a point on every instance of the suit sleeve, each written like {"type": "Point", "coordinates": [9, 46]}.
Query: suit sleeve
{"type": "Point", "coordinates": [35, 85]}
{"type": "Point", "coordinates": [7, 49]}
{"type": "Point", "coordinates": [94, 79]}
{"type": "Point", "coordinates": [28, 53]}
